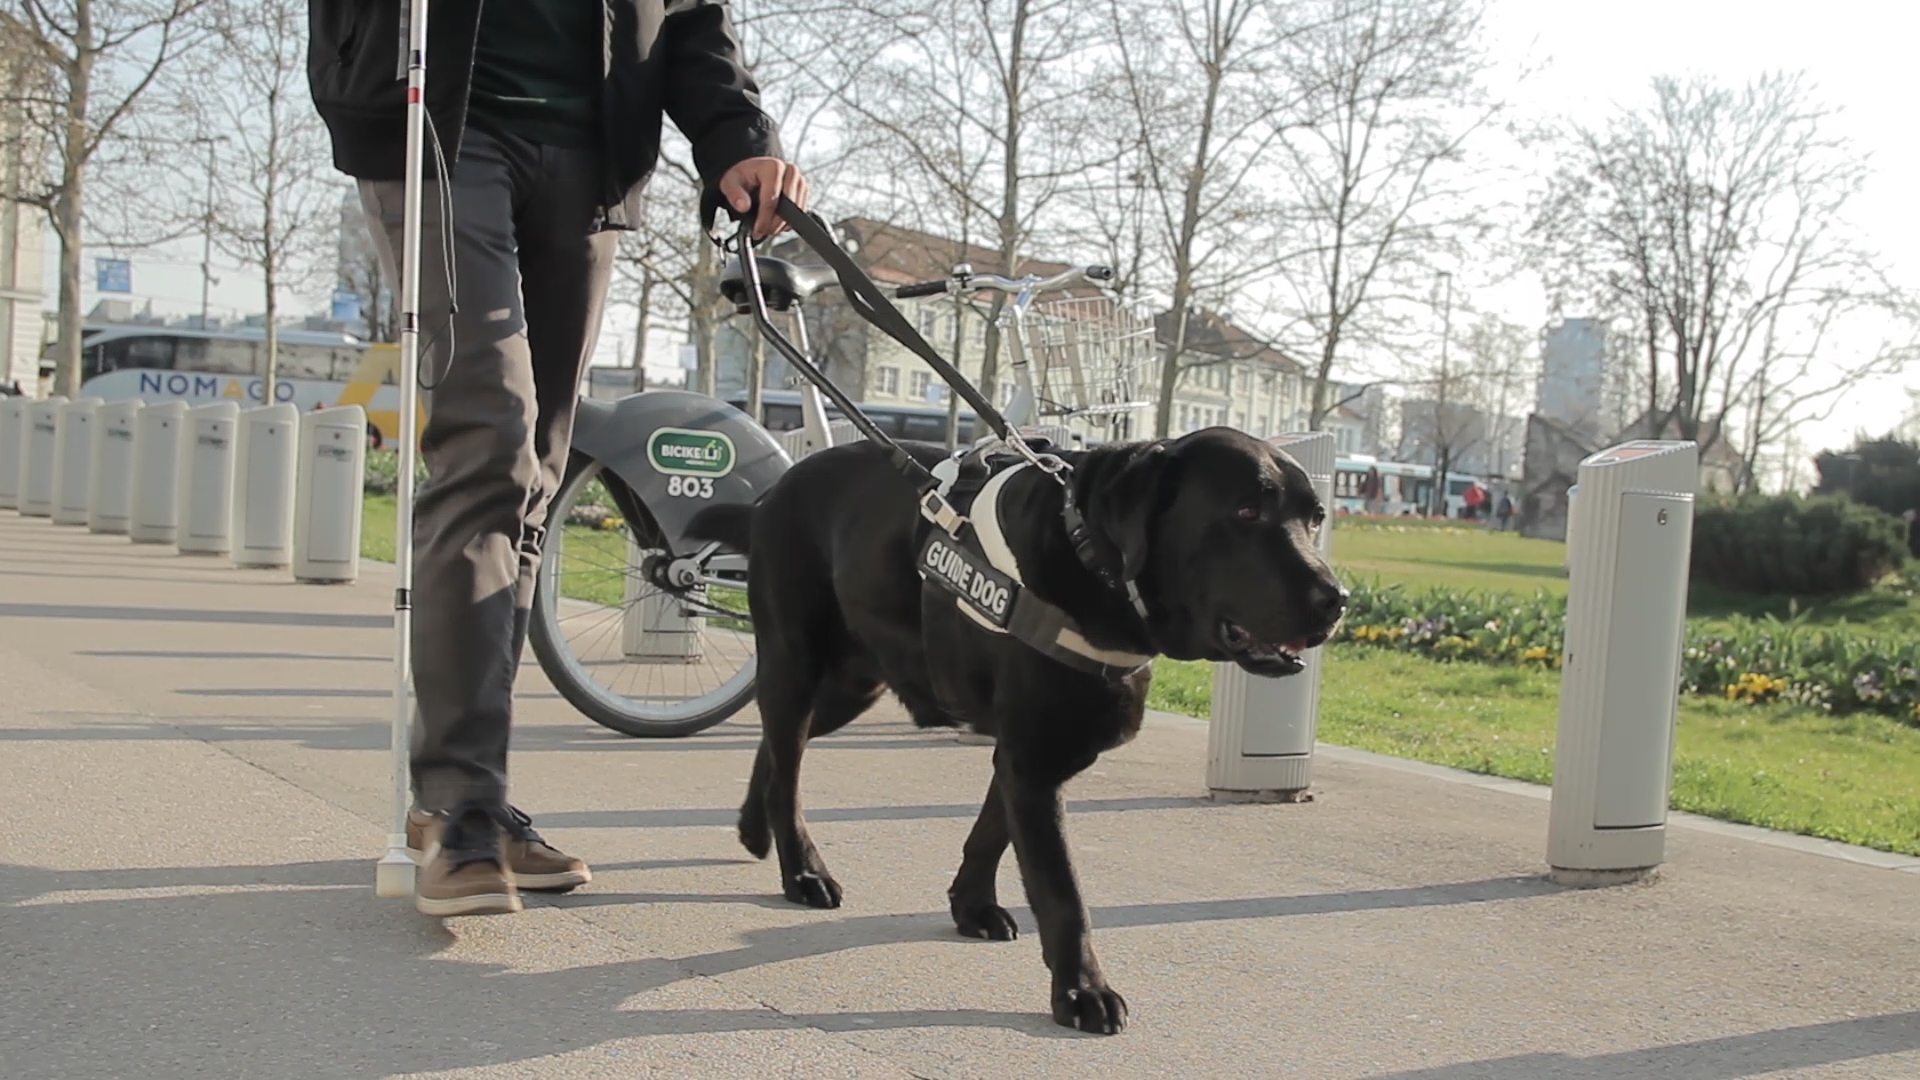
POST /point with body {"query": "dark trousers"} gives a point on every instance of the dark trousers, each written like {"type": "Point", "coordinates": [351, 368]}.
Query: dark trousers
{"type": "Point", "coordinates": [531, 266]}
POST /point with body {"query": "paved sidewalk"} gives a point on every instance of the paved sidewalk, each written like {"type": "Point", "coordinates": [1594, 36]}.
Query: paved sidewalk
{"type": "Point", "coordinates": [192, 788]}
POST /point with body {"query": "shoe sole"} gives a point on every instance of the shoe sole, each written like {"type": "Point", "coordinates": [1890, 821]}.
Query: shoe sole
{"type": "Point", "coordinates": [477, 904]}
{"type": "Point", "coordinates": [561, 882]}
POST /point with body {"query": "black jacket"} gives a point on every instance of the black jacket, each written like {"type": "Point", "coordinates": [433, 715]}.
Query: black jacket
{"type": "Point", "coordinates": [678, 58]}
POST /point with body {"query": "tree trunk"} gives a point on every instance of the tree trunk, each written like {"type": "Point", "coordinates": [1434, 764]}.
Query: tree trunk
{"type": "Point", "coordinates": [66, 210]}
{"type": "Point", "coordinates": [66, 371]}
{"type": "Point", "coordinates": [641, 328]}
{"type": "Point", "coordinates": [701, 288]}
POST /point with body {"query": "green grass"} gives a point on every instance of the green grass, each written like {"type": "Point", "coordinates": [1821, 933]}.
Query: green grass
{"type": "Point", "coordinates": [1458, 557]}
{"type": "Point", "coordinates": [1854, 779]}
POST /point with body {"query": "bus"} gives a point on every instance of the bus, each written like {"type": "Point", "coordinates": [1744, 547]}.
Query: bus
{"type": "Point", "coordinates": [120, 361]}
{"type": "Point", "coordinates": [1400, 489]}
{"type": "Point", "coordinates": [920, 423]}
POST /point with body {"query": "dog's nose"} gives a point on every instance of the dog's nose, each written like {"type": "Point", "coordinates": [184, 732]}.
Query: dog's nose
{"type": "Point", "coordinates": [1328, 601]}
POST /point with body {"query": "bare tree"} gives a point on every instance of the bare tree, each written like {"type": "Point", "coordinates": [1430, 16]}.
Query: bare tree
{"type": "Point", "coordinates": [1712, 222]}
{"type": "Point", "coordinates": [1198, 82]}
{"type": "Point", "coordinates": [971, 118]}
{"type": "Point", "coordinates": [276, 201]}
{"type": "Point", "coordinates": [362, 272]}
{"type": "Point", "coordinates": [1389, 93]}
{"type": "Point", "coordinates": [103, 57]}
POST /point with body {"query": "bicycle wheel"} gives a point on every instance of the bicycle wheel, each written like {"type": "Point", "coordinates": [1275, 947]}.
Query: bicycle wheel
{"type": "Point", "coordinates": [632, 655]}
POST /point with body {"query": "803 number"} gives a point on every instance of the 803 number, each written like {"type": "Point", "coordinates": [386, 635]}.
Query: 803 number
{"type": "Point", "coordinates": [690, 487]}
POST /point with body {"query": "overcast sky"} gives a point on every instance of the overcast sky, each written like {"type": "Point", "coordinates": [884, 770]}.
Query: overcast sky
{"type": "Point", "coordinates": [1597, 55]}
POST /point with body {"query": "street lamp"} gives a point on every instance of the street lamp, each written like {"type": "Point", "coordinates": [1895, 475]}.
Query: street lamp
{"type": "Point", "coordinates": [206, 242]}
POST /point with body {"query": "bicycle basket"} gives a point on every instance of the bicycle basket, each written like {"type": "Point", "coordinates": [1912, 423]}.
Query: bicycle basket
{"type": "Point", "coordinates": [1091, 357]}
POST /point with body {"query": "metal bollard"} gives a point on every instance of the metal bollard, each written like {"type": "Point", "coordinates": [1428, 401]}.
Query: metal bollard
{"type": "Point", "coordinates": [159, 459]}
{"type": "Point", "coordinates": [110, 472]}
{"type": "Point", "coordinates": [1261, 732]}
{"type": "Point", "coordinates": [328, 495]}
{"type": "Point", "coordinates": [73, 451]}
{"type": "Point", "coordinates": [1620, 678]}
{"type": "Point", "coordinates": [266, 463]}
{"type": "Point", "coordinates": [205, 499]}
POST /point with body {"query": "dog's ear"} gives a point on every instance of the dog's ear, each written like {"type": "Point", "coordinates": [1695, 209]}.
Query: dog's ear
{"type": "Point", "coordinates": [1124, 499]}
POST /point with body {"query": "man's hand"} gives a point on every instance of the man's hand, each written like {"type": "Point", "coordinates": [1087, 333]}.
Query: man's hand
{"type": "Point", "coordinates": [768, 178]}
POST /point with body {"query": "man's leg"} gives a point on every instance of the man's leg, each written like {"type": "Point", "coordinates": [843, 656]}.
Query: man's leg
{"type": "Point", "coordinates": [478, 448]}
{"type": "Point", "coordinates": [564, 265]}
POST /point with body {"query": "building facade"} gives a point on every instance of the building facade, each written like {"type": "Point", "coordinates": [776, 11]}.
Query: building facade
{"type": "Point", "coordinates": [22, 235]}
{"type": "Point", "coordinates": [1229, 377]}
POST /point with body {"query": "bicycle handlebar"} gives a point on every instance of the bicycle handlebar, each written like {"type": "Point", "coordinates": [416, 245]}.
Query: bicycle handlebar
{"type": "Point", "coordinates": [970, 282]}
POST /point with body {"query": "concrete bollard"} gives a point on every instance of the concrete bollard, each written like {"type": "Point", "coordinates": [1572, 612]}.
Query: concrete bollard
{"type": "Point", "coordinates": [73, 452]}
{"type": "Point", "coordinates": [159, 452]}
{"type": "Point", "coordinates": [328, 495]}
{"type": "Point", "coordinates": [110, 472]}
{"type": "Point", "coordinates": [205, 499]}
{"type": "Point", "coordinates": [266, 463]}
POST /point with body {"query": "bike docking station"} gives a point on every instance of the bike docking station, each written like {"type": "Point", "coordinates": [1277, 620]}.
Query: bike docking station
{"type": "Point", "coordinates": [205, 499]}
{"type": "Point", "coordinates": [1620, 677]}
{"type": "Point", "coordinates": [13, 437]}
{"type": "Point", "coordinates": [159, 459]}
{"type": "Point", "coordinates": [72, 455]}
{"type": "Point", "coordinates": [329, 496]}
{"type": "Point", "coordinates": [265, 466]}
{"type": "Point", "coordinates": [1260, 731]}
{"type": "Point", "coordinates": [110, 483]}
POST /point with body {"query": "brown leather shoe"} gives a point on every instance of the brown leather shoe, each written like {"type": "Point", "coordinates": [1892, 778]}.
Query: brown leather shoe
{"type": "Point", "coordinates": [462, 872]}
{"type": "Point", "coordinates": [534, 863]}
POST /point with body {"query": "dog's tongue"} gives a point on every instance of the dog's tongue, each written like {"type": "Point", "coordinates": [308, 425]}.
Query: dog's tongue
{"type": "Point", "coordinates": [1296, 647]}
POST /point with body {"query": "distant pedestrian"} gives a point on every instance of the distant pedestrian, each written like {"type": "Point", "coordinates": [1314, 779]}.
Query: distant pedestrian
{"type": "Point", "coordinates": [1475, 497]}
{"type": "Point", "coordinates": [1505, 513]}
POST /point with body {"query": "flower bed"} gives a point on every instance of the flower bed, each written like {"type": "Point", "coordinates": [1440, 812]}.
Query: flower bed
{"type": "Point", "coordinates": [1835, 669]}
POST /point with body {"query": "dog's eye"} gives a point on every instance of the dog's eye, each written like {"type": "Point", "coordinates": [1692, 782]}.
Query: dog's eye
{"type": "Point", "coordinates": [1319, 516]}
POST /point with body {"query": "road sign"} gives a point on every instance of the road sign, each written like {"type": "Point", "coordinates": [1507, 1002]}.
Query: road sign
{"type": "Point", "coordinates": [114, 275]}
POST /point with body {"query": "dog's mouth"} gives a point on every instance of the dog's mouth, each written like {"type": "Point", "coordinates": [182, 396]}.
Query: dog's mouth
{"type": "Point", "coordinates": [1266, 658]}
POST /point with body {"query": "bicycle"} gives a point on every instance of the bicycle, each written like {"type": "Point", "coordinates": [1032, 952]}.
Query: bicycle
{"type": "Point", "coordinates": [647, 633]}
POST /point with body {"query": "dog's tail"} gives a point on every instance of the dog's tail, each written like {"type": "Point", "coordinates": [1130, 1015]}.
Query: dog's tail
{"type": "Point", "coordinates": [729, 524]}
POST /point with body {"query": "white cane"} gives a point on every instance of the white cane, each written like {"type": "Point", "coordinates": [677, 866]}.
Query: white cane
{"type": "Point", "coordinates": [395, 872]}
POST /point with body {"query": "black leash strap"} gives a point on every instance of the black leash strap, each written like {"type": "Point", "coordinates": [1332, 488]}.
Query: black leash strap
{"type": "Point", "coordinates": [871, 303]}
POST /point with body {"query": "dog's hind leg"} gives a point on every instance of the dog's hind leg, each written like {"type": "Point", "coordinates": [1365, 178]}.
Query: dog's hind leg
{"type": "Point", "coordinates": [974, 896]}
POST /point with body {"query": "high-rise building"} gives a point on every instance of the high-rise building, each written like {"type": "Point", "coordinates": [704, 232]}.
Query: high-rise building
{"type": "Point", "coordinates": [1573, 377]}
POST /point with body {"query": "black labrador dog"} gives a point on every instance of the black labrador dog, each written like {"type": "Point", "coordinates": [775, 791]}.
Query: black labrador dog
{"type": "Point", "coordinates": [1217, 530]}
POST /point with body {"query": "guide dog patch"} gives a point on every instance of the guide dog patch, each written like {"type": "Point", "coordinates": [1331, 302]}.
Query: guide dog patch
{"type": "Point", "coordinates": [967, 575]}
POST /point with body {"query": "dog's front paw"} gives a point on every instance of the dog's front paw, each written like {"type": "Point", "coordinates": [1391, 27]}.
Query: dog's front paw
{"type": "Point", "coordinates": [989, 921]}
{"type": "Point", "coordinates": [1093, 1007]}
{"type": "Point", "coordinates": [816, 890]}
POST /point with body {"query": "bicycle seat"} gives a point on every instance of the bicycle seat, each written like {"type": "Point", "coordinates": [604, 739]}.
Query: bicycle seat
{"type": "Point", "coordinates": [781, 282]}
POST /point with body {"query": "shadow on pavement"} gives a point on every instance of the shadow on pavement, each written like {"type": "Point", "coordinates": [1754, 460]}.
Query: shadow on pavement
{"type": "Point", "coordinates": [297, 970]}
{"type": "Point", "coordinates": [1731, 1058]}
